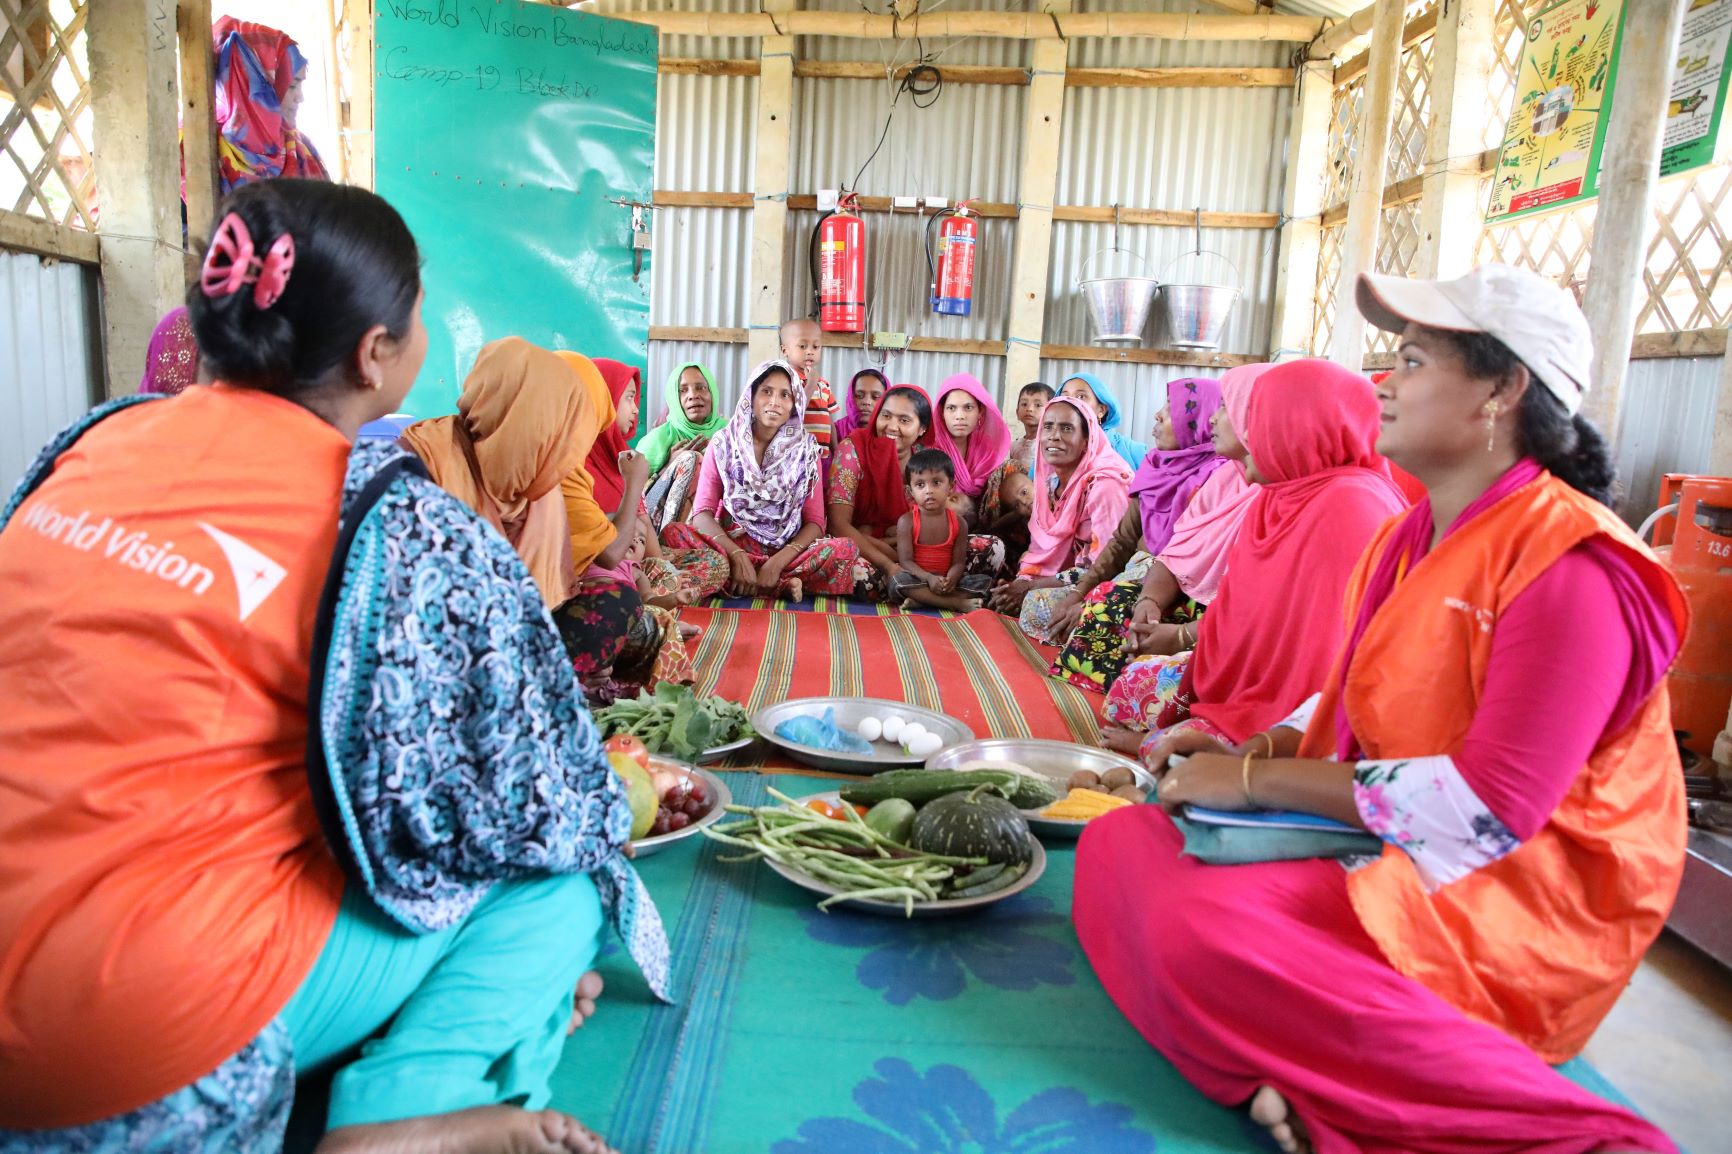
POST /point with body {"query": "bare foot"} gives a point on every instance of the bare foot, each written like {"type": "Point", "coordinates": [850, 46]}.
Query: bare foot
{"type": "Point", "coordinates": [483, 1130]}
{"type": "Point", "coordinates": [796, 589]}
{"type": "Point", "coordinates": [973, 603]}
{"type": "Point", "coordinates": [1269, 1109]}
{"type": "Point", "coordinates": [1120, 740]}
{"type": "Point", "coordinates": [583, 1002]}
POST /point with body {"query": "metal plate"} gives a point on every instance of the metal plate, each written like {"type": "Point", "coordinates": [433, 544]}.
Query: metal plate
{"type": "Point", "coordinates": [1036, 867]}
{"type": "Point", "coordinates": [1054, 760]}
{"type": "Point", "coordinates": [721, 751]}
{"type": "Point", "coordinates": [850, 711]}
{"type": "Point", "coordinates": [720, 797]}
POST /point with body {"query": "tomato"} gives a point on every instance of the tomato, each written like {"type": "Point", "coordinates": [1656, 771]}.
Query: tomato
{"type": "Point", "coordinates": [630, 746]}
{"type": "Point", "coordinates": [824, 809]}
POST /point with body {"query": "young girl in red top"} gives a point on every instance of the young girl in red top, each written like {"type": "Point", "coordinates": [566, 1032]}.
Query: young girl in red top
{"type": "Point", "coordinates": [932, 541]}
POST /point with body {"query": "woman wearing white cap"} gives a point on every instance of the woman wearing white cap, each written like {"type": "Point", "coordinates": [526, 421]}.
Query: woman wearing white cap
{"type": "Point", "coordinates": [1498, 718]}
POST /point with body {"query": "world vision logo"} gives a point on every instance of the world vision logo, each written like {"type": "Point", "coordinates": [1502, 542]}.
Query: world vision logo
{"type": "Point", "coordinates": [256, 576]}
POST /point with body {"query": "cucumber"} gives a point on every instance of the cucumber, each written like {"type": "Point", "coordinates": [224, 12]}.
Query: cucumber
{"type": "Point", "coordinates": [893, 818]}
{"type": "Point", "coordinates": [1030, 790]}
{"type": "Point", "coordinates": [920, 786]}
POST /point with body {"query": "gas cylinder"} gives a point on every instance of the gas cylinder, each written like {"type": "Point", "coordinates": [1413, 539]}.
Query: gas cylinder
{"type": "Point", "coordinates": [1701, 559]}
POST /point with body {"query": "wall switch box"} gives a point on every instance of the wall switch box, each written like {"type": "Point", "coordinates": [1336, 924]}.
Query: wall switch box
{"type": "Point", "coordinates": [937, 203]}
{"type": "Point", "coordinates": [889, 340]}
{"type": "Point", "coordinates": [905, 202]}
{"type": "Point", "coordinates": [826, 200]}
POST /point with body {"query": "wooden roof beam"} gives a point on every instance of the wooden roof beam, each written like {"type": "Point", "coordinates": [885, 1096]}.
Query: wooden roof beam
{"type": "Point", "coordinates": [999, 25]}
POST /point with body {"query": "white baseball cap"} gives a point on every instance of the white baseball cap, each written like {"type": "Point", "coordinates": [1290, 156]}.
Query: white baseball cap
{"type": "Point", "coordinates": [1534, 317]}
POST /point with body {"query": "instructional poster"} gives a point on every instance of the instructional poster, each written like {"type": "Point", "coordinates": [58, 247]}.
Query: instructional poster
{"type": "Point", "coordinates": [1552, 141]}
{"type": "Point", "coordinates": [1700, 78]}
{"type": "Point", "coordinates": [514, 138]}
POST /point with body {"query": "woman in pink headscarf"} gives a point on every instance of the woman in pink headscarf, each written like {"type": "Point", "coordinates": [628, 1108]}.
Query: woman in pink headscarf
{"type": "Point", "coordinates": [1146, 590]}
{"type": "Point", "coordinates": [1081, 488]}
{"type": "Point", "coordinates": [971, 431]}
{"type": "Point", "coordinates": [259, 71]}
{"type": "Point", "coordinates": [171, 362]}
{"type": "Point", "coordinates": [1321, 492]}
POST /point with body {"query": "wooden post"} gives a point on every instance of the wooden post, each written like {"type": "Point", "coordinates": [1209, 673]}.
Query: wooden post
{"type": "Point", "coordinates": [1295, 319]}
{"type": "Point", "coordinates": [135, 98]}
{"type": "Point", "coordinates": [1365, 196]}
{"type": "Point", "coordinates": [197, 124]}
{"type": "Point", "coordinates": [1036, 189]}
{"type": "Point", "coordinates": [1462, 59]}
{"type": "Point", "coordinates": [355, 112]}
{"type": "Point", "coordinates": [1624, 219]}
{"type": "Point", "coordinates": [770, 187]}
{"type": "Point", "coordinates": [1720, 451]}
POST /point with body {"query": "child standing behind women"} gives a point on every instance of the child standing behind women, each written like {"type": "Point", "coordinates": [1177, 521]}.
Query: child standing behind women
{"type": "Point", "coordinates": [932, 541]}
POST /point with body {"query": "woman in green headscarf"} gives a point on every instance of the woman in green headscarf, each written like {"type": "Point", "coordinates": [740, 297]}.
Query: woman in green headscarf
{"type": "Point", "coordinates": [675, 448]}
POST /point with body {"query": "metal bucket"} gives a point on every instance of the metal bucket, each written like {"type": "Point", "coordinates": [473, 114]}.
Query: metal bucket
{"type": "Point", "coordinates": [1196, 313]}
{"type": "Point", "coordinates": [1118, 305]}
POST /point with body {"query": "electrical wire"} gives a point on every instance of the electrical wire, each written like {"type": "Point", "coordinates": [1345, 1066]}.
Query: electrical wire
{"type": "Point", "coordinates": [921, 81]}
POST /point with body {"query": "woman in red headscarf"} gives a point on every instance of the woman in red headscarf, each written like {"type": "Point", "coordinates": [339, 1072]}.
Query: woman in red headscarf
{"type": "Point", "coordinates": [868, 495]}
{"type": "Point", "coordinates": [259, 71]}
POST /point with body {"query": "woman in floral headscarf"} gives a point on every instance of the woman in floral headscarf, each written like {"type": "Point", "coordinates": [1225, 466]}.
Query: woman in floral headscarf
{"type": "Point", "coordinates": [258, 91]}
{"type": "Point", "coordinates": [759, 501]}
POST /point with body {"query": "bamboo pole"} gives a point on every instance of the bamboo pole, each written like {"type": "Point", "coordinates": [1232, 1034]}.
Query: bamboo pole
{"type": "Point", "coordinates": [355, 114]}
{"type": "Point", "coordinates": [1045, 25]}
{"type": "Point", "coordinates": [1365, 201]}
{"type": "Point", "coordinates": [1720, 447]}
{"type": "Point", "coordinates": [1462, 60]}
{"type": "Point", "coordinates": [1036, 189]}
{"type": "Point", "coordinates": [1415, 30]}
{"type": "Point", "coordinates": [198, 131]}
{"type": "Point", "coordinates": [134, 100]}
{"type": "Point", "coordinates": [770, 185]}
{"type": "Point", "coordinates": [1343, 33]}
{"type": "Point", "coordinates": [1296, 277]}
{"type": "Point", "coordinates": [1177, 77]}
{"type": "Point", "coordinates": [1628, 174]}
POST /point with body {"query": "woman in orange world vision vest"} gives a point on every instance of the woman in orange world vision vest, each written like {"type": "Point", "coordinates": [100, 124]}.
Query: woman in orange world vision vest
{"type": "Point", "coordinates": [1498, 717]}
{"type": "Point", "coordinates": [255, 822]}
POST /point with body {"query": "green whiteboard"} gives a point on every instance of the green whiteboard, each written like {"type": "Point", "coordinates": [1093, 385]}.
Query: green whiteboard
{"type": "Point", "coordinates": [504, 133]}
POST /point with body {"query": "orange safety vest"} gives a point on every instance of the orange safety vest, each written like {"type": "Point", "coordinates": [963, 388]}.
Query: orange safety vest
{"type": "Point", "coordinates": [1541, 942]}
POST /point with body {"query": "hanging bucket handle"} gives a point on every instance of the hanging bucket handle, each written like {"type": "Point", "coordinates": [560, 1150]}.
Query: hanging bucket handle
{"type": "Point", "coordinates": [1082, 274]}
{"type": "Point", "coordinates": [1167, 279]}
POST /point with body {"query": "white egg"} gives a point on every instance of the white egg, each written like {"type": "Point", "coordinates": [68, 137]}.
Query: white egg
{"type": "Point", "coordinates": [911, 731]}
{"type": "Point", "coordinates": [926, 745]}
{"type": "Point", "coordinates": [870, 728]}
{"type": "Point", "coordinates": [892, 728]}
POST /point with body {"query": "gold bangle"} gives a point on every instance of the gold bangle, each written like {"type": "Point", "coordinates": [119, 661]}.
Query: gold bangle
{"type": "Point", "coordinates": [1265, 735]}
{"type": "Point", "coordinates": [1245, 780]}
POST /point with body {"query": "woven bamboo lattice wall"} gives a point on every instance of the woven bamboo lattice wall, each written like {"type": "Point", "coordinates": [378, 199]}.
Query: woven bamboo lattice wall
{"type": "Point", "coordinates": [1398, 238]}
{"type": "Point", "coordinates": [1688, 272]}
{"type": "Point", "coordinates": [45, 117]}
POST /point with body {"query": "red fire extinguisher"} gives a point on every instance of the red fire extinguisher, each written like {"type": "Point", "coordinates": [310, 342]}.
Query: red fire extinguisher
{"type": "Point", "coordinates": [953, 271]}
{"type": "Point", "coordinates": [839, 268]}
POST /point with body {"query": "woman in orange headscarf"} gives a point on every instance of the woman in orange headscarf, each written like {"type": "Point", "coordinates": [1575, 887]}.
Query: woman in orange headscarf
{"type": "Point", "coordinates": [1498, 719]}
{"type": "Point", "coordinates": [520, 427]}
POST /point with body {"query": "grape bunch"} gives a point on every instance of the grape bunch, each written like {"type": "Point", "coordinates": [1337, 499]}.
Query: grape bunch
{"type": "Point", "coordinates": [681, 805]}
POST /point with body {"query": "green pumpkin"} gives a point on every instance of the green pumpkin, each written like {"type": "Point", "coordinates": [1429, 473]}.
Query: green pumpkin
{"type": "Point", "coordinates": [975, 823]}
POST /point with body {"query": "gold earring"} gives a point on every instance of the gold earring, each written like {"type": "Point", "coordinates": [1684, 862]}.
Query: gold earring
{"type": "Point", "coordinates": [1491, 411]}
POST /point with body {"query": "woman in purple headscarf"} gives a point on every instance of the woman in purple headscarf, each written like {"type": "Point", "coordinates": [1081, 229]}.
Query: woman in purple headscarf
{"type": "Point", "coordinates": [171, 362]}
{"type": "Point", "coordinates": [759, 500]}
{"type": "Point", "coordinates": [1187, 498]}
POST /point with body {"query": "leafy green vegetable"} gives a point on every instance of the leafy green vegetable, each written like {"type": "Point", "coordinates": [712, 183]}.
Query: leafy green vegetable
{"type": "Point", "coordinates": [675, 721]}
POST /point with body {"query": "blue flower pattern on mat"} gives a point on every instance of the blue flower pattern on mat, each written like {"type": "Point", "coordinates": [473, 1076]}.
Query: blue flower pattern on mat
{"type": "Point", "coordinates": [1004, 947]}
{"type": "Point", "coordinates": [945, 1111]}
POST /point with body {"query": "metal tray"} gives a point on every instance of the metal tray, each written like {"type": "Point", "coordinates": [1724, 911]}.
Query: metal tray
{"type": "Point", "coordinates": [849, 712]}
{"type": "Point", "coordinates": [1036, 867]}
{"type": "Point", "coordinates": [1055, 760]}
{"type": "Point", "coordinates": [720, 797]}
{"type": "Point", "coordinates": [721, 751]}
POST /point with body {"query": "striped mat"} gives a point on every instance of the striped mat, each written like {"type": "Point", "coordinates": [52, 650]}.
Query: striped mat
{"type": "Point", "coordinates": [978, 668]}
{"type": "Point", "coordinates": [844, 606]}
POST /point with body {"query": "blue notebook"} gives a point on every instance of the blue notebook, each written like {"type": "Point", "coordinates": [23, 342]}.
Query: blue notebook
{"type": "Point", "coordinates": [1267, 819]}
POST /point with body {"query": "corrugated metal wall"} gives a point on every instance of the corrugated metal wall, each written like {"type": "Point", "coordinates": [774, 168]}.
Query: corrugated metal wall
{"type": "Point", "coordinates": [1668, 426]}
{"type": "Point", "coordinates": [48, 321]}
{"type": "Point", "coordinates": [1118, 146]}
